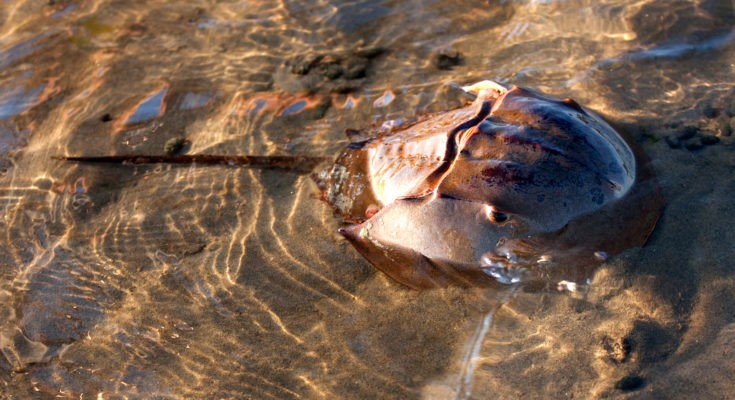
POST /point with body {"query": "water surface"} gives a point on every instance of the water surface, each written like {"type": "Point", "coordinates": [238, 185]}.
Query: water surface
{"type": "Point", "coordinates": [218, 282]}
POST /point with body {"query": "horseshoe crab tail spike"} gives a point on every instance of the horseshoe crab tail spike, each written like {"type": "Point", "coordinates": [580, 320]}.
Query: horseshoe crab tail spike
{"type": "Point", "coordinates": [303, 164]}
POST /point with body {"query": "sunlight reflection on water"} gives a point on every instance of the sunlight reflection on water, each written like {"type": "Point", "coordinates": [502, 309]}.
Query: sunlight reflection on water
{"type": "Point", "coordinates": [203, 282]}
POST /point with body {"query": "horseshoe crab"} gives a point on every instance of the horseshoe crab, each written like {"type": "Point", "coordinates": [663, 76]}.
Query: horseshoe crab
{"type": "Point", "coordinates": [515, 186]}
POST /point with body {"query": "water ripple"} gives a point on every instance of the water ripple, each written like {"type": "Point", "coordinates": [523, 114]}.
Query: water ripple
{"type": "Point", "coordinates": [219, 282]}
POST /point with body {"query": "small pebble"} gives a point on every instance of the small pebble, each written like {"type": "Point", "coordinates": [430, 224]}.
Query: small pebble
{"type": "Point", "coordinates": [174, 145]}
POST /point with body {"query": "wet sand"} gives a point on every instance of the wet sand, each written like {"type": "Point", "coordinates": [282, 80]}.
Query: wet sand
{"type": "Point", "coordinates": [218, 282]}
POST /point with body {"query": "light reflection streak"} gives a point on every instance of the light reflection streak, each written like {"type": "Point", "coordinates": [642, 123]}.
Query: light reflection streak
{"type": "Point", "coordinates": [385, 99]}
{"type": "Point", "coordinates": [302, 194]}
{"type": "Point", "coordinates": [243, 230]}
{"type": "Point", "coordinates": [274, 317]}
{"type": "Point", "coordinates": [302, 266]}
{"type": "Point", "coordinates": [285, 272]}
{"type": "Point", "coordinates": [152, 106]}
{"type": "Point", "coordinates": [350, 102]}
{"type": "Point", "coordinates": [473, 351]}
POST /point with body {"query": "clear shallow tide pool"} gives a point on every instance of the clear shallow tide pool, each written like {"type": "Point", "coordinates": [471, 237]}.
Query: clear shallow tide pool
{"type": "Point", "coordinates": [175, 282]}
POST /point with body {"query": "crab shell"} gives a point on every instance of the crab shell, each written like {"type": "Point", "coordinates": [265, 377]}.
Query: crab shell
{"type": "Point", "coordinates": [515, 186]}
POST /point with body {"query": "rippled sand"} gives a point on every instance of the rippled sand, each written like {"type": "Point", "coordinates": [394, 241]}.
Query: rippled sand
{"type": "Point", "coordinates": [224, 282]}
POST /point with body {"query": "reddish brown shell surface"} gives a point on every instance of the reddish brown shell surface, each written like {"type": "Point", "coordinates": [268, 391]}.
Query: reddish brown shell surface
{"type": "Point", "coordinates": [515, 186]}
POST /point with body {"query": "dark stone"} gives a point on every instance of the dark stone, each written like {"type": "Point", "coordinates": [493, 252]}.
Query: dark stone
{"type": "Point", "coordinates": [106, 117]}
{"type": "Point", "coordinates": [710, 112]}
{"type": "Point", "coordinates": [630, 383]}
{"type": "Point", "coordinates": [447, 60]}
{"type": "Point", "coordinates": [333, 72]}
{"type": "Point", "coordinates": [709, 140]}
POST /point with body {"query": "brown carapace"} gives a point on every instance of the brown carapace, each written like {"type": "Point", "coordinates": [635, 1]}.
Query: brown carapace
{"type": "Point", "coordinates": [516, 186]}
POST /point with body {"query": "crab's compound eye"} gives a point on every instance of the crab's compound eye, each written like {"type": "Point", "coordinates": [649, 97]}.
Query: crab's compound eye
{"type": "Point", "coordinates": [495, 215]}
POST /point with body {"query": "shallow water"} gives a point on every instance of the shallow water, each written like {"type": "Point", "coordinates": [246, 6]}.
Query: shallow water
{"type": "Point", "coordinates": [219, 282]}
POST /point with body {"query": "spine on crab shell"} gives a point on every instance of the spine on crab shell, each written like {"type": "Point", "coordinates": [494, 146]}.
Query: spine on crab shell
{"type": "Point", "coordinates": [289, 163]}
